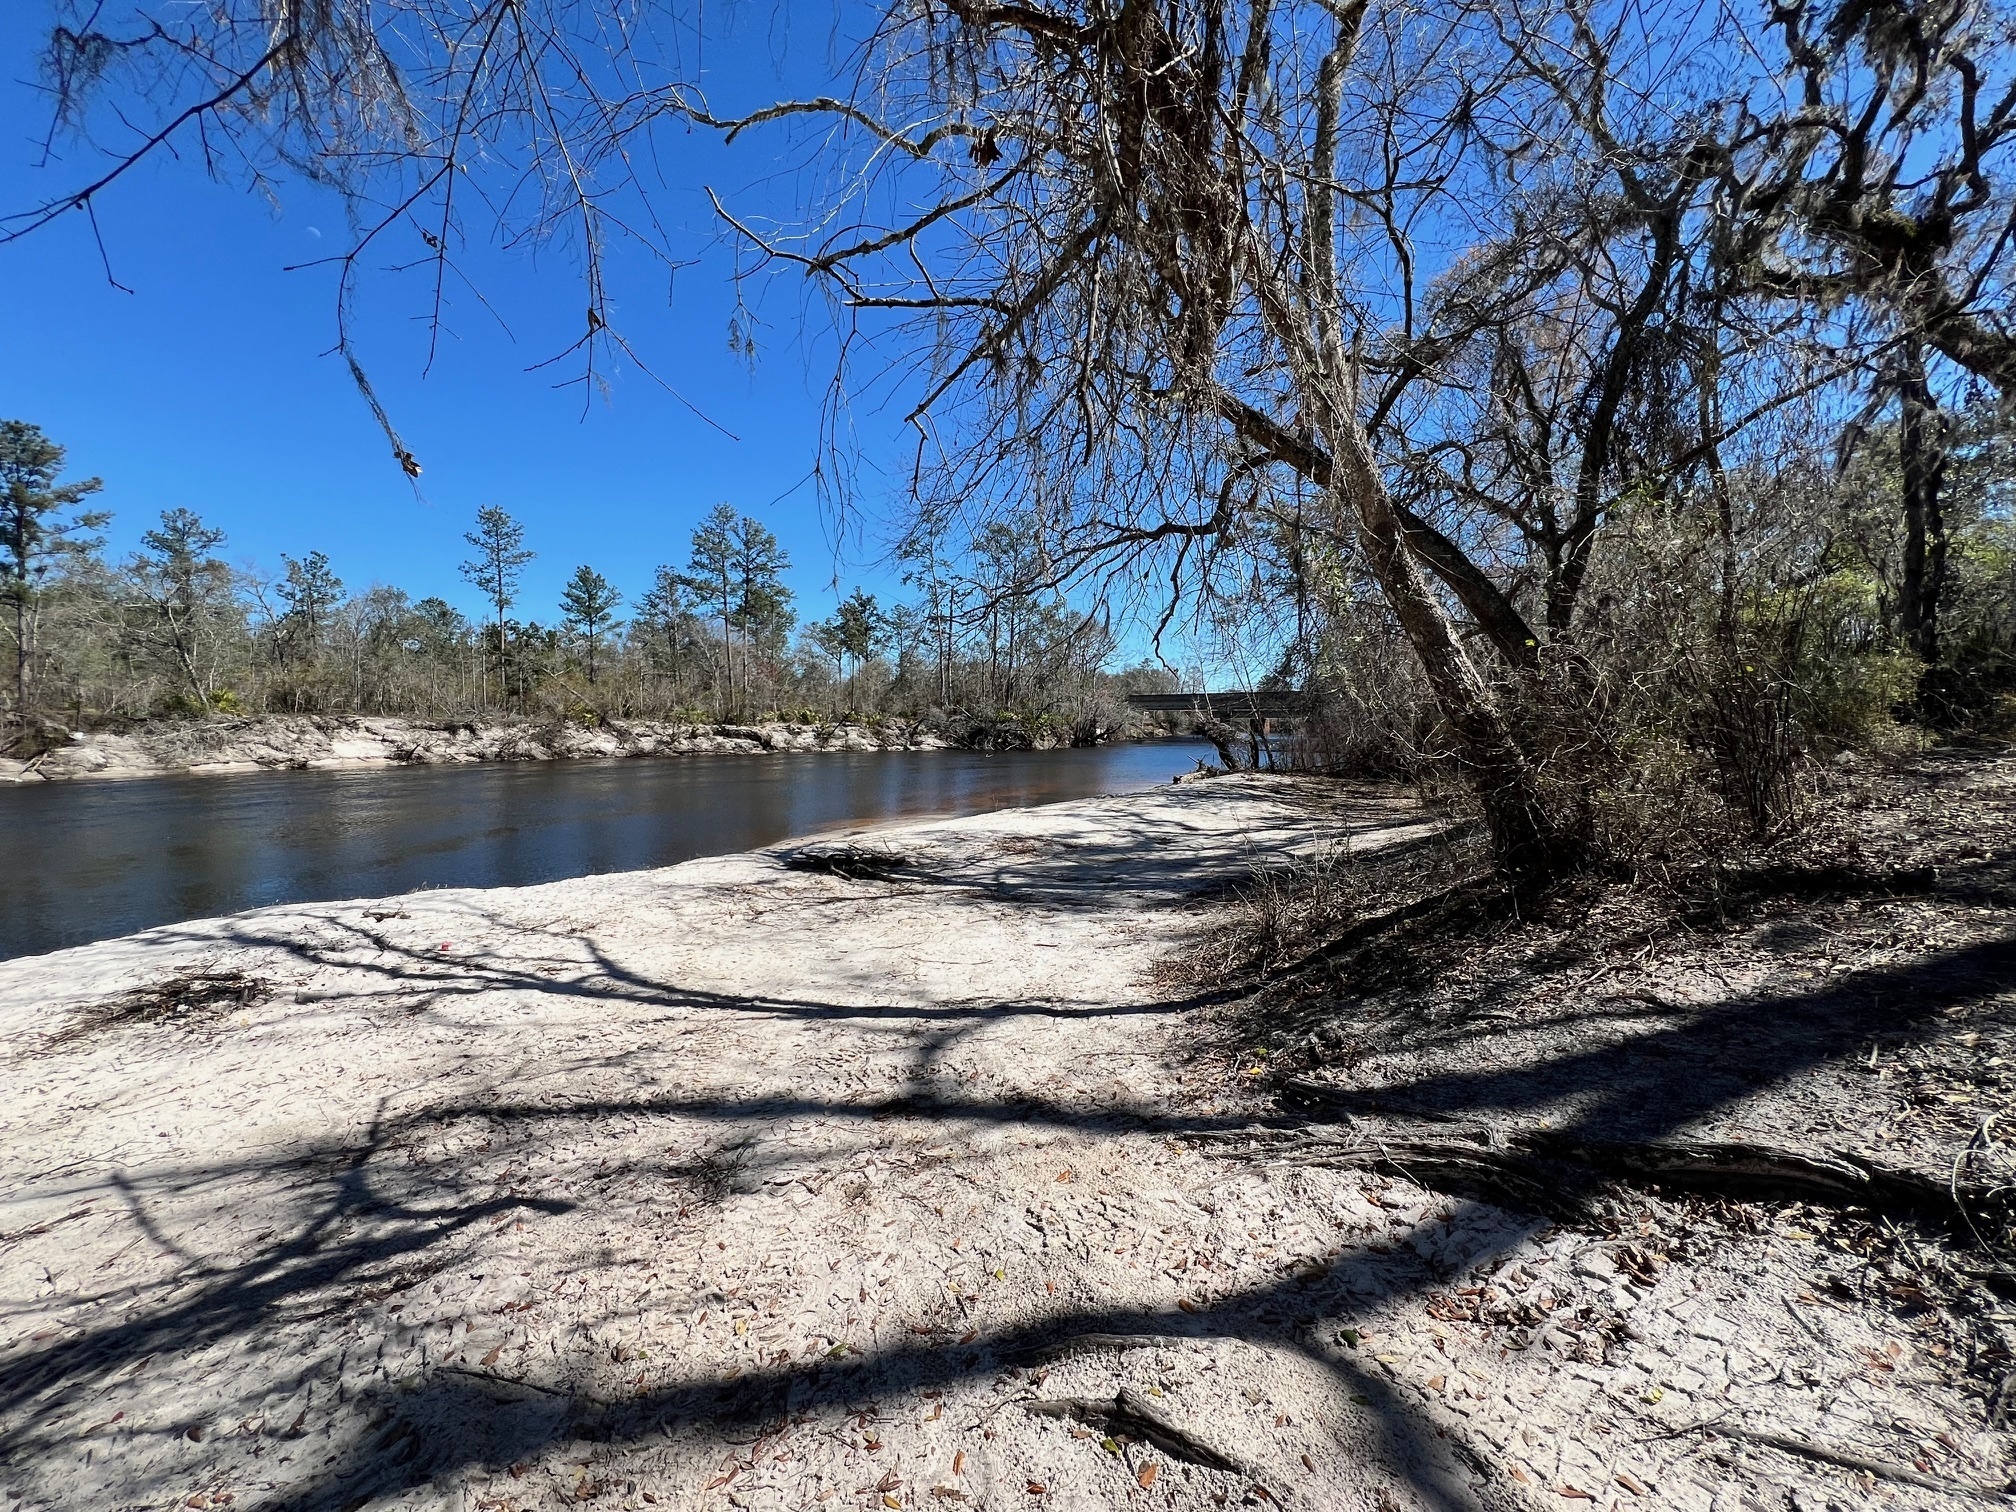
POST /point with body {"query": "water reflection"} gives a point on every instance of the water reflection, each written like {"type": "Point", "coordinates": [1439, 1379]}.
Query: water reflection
{"type": "Point", "coordinates": [93, 860]}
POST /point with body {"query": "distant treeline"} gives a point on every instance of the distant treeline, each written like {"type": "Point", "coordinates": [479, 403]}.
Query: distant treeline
{"type": "Point", "coordinates": [175, 630]}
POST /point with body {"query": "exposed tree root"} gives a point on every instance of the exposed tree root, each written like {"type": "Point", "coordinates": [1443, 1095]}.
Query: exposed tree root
{"type": "Point", "coordinates": [1132, 1416]}
{"type": "Point", "coordinates": [1555, 1173]}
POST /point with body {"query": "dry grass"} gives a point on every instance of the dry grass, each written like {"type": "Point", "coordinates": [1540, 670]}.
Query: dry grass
{"type": "Point", "coordinates": [1346, 960]}
{"type": "Point", "coordinates": [1287, 917]}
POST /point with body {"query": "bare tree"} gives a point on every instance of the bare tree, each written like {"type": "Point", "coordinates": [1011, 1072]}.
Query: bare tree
{"type": "Point", "coordinates": [1162, 268]}
{"type": "Point", "coordinates": [428, 116]}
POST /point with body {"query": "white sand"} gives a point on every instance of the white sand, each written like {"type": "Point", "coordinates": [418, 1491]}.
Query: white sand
{"type": "Point", "coordinates": [727, 1185]}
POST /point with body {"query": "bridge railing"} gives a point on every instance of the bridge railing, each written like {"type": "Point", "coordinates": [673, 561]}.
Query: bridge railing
{"type": "Point", "coordinates": [1235, 704]}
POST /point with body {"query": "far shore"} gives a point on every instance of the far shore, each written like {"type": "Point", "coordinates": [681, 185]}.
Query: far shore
{"type": "Point", "coordinates": [227, 745]}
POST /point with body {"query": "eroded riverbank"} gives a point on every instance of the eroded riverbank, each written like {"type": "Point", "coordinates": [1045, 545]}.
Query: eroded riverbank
{"type": "Point", "coordinates": [223, 745]}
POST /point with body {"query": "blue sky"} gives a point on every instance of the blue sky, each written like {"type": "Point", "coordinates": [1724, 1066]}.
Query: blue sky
{"type": "Point", "coordinates": [210, 387]}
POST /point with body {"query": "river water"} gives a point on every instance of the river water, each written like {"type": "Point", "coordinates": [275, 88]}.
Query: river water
{"type": "Point", "coordinates": [82, 861]}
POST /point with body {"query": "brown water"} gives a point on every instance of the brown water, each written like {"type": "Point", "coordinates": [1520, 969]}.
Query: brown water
{"type": "Point", "coordinates": [93, 860]}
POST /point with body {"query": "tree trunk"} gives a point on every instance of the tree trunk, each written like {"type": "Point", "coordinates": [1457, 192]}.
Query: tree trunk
{"type": "Point", "coordinates": [1523, 843]}
{"type": "Point", "coordinates": [21, 649]}
{"type": "Point", "coordinates": [185, 655]}
{"type": "Point", "coordinates": [1921, 445]}
{"type": "Point", "coordinates": [1522, 840]}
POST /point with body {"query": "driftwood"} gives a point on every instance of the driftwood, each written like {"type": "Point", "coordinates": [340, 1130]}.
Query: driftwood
{"type": "Point", "coordinates": [193, 995]}
{"type": "Point", "coordinates": [851, 863]}
{"type": "Point", "coordinates": [1130, 1415]}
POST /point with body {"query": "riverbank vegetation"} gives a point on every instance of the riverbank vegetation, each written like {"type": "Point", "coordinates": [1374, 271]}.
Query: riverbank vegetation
{"type": "Point", "coordinates": [1618, 393]}
{"type": "Point", "coordinates": [176, 630]}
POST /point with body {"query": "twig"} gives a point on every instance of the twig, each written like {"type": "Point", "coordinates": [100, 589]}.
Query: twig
{"type": "Point", "coordinates": [1804, 1322]}
{"type": "Point", "coordinates": [497, 1380]}
{"type": "Point", "coordinates": [1684, 1429]}
{"type": "Point", "coordinates": [1786, 1443]}
{"type": "Point", "coordinates": [1979, 1139]}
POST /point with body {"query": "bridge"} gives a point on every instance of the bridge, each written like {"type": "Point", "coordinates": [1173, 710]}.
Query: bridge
{"type": "Point", "coordinates": [1235, 707]}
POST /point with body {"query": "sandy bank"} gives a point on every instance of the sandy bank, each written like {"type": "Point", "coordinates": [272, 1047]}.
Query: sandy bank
{"type": "Point", "coordinates": [734, 1184]}
{"type": "Point", "coordinates": [295, 742]}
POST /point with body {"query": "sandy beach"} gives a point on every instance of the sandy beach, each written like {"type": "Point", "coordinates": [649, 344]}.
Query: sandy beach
{"type": "Point", "coordinates": [888, 1179]}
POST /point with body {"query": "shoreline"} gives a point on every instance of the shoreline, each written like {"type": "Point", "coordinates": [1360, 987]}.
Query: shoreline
{"type": "Point", "coordinates": [101, 860]}
{"type": "Point", "coordinates": [229, 745]}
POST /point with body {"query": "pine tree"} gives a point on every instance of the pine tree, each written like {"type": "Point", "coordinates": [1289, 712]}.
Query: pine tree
{"type": "Point", "coordinates": [858, 627]}
{"type": "Point", "coordinates": [34, 535]}
{"type": "Point", "coordinates": [762, 611]}
{"type": "Point", "coordinates": [862, 626]}
{"type": "Point", "coordinates": [664, 619]}
{"type": "Point", "coordinates": [588, 609]}
{"type": "Point", "coordinates": [183, 585]}
{"type": "Point", "coordinates": [495, 569]}
{"type": "Point", "coordinates": [311, 590]}
{"type": "Point", "coordinates": [710, 574]}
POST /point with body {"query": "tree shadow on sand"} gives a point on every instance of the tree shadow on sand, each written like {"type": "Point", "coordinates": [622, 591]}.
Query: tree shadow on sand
{"type": "Point", "coordinates": [471, 1419]}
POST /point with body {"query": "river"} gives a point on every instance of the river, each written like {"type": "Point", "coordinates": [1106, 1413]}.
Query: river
{"type": "Point", "coordinates": [83, 861]}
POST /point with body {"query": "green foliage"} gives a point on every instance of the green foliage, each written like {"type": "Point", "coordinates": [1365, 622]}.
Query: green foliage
{"type": "Point", "coordinates": [183, 603]}
{"type": "Point", "coordinates": [588, 611]}
{"type": "Point", "coordinates": [1971, 686]}
{"type": "Point", "coordinates": [37, 533]}
{"type": "Point", "coordinates": [500, 558]}
{"type": "Point", "coordinates": [1973, 689]}
{"type": "Point", "coordinates": [856, 632]}
{"type": "Point", "coordinates": [495, 571]}
{"type": "Point", "coordinates": [860, 626]}
{"type": "Point", "coordinates": [311, 590]}
{"type": "Point", "coordinates": [176, 632]}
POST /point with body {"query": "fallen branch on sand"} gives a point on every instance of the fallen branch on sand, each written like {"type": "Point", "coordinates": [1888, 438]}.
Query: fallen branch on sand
{"type": "Point", "coordinates": [513, 1383]}
{"type": "Point", "coordinates": [194, 995]}
{"type": "Point", "coordinates": [851, 863]}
